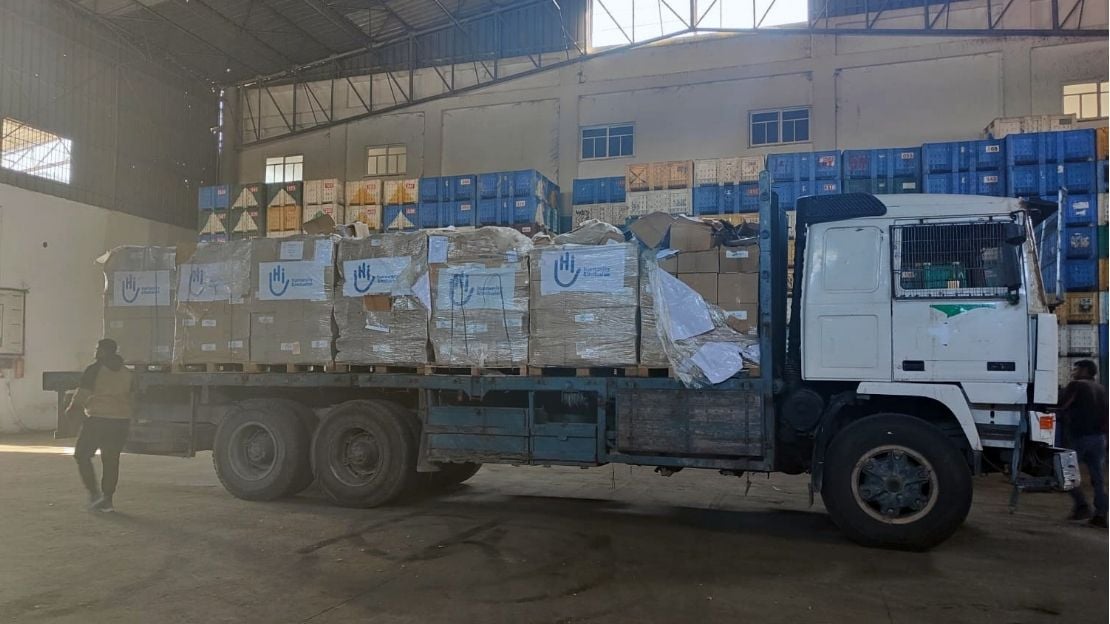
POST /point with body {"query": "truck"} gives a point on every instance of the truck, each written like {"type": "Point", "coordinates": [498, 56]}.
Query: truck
{"type": "Point", "coordinates": [917, 350]}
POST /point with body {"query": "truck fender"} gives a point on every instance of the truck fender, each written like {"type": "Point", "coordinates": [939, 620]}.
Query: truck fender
{"type": "Point", "coordinates": [950, 396]}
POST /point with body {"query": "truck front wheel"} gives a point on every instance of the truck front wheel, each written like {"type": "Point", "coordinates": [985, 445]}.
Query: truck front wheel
{"type": "Point", "coordinates": [365, 454]}
{"type": "Point", "coordinates": [896, 481]}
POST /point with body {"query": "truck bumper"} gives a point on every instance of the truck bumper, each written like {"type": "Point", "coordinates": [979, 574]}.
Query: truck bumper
{"type": "Point", "coordinates": [1065, 468]}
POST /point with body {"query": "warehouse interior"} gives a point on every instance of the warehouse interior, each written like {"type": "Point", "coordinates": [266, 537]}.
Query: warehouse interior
{"type": "Point", "coordinates": [195, 124]}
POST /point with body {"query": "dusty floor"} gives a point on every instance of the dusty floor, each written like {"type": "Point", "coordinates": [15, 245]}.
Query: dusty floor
{"type": "Point", "coordinates": [515, 545]}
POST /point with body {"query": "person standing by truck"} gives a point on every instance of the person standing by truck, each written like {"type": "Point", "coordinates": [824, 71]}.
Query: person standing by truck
{"type": "Point", "coordinates": [1084, 415]}
{"type": "Point", "coordinates": [103, 400]}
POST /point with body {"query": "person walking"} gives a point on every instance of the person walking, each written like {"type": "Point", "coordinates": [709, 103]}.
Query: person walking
{"type": "Point", "coordinates": [104, 402]}
{"type": "Point", "coordinates": [1084, 415]}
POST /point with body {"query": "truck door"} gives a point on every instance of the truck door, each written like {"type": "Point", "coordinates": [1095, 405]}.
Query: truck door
{"type": "Point", "coordinates": [846, 330]}
{"type": "Point", "coordinates": [959, 309]}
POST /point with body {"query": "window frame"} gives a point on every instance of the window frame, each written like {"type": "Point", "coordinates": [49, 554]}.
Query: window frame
{"type": "Point", "coordinates": [399, 160]}
{"type": "Point", "coordinates": [290, 166]}
{"type": "Point", "coordinates": [965, 293]}
{"type": "Point", "coordinates": [35, 139]}
{"type": "Point", "coordinates": [779, 124]}
{"type": "Point", "coordinates": [1102, 110]}
{"type": "Point", "coordinates": [607, 140]}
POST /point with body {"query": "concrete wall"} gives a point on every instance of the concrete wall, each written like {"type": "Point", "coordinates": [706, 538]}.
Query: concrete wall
{"type": "Point", "coordinates": [690, 98]}
{"type": "Point", "coordinates": [48, 246]}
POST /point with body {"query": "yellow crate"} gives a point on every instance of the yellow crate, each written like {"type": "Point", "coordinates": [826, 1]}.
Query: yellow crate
{"type": "Point", "coordinates": [1080, 307]}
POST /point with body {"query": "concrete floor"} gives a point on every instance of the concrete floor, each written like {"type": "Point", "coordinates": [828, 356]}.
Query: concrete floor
{"type": "Point", "coordinates": [611, 544]}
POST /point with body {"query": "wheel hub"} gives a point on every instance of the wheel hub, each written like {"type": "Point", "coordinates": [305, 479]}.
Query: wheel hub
{"type": "Point", "coordinates": [894, 484]}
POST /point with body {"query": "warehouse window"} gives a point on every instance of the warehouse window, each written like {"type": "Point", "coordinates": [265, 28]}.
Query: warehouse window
{"type": "Point", "coordinates": [386, 160]}
{"type": "Point", "coordinates": [607, 141]}
{"type": "Point", "coordinates": [35, 152]}
{"type": "Point", "coordinates": [1088, 100]}
{"type": "Point", "coordinates": [285, 169]}
{"type": "Point", "coordinates": [787, 125]}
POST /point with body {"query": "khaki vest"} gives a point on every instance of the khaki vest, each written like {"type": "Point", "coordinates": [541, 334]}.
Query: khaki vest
{"type": "Point", "coordinates": [111, 395]}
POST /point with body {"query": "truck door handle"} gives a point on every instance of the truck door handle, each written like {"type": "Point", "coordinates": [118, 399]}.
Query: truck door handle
{"type": "Point", "coordinates": [913, 365]}
{"type": "Point", "coordinates": [1001, 367]}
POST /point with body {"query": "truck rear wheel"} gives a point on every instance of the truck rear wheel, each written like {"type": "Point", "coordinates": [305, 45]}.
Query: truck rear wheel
{"type": "Point", "coordinates": [896, 481]}
{"type": "Point", "coordinates": [365, 453]}
{"type": "Point", "coordinates": [261, 450]}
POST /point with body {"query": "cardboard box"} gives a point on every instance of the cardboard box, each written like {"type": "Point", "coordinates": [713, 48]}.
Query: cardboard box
{"type": "Point", "coordinates": [740, 259]}
{"type": "Point", "coordinates": [329, 191]}
{"type": "Point", "coordinates": [212, 318]}
{"type": "Point", "coordinates": [737, 288]}
{"type": "Point", "coordinates": [364, 193]}
{"type": "Point", "coordinates": [399, 192]}
{"type": "Point", "coordinates": [292, 290]}
{"type": "Point", "coordinates": [479, 292]}
{"type": "Point", "coordinates": [588, 296]}
{"type": "Point", "coordinates": [688, 235]}
{"type": "Point", "coordinates": [743, 318]}
{"type": "Point", "coordinates": [381, 318]}
{"type": "Point", "coordinates": [1081, 307]}
{"type": "Point", "coordinates": [637, 177]}
{"type": "Point", "coordinates": [335, 211]}
{"type": "Point", "coordinates": [371, 216]}
{"type": "Point", "coordinates": [708, 261]}
{"type": "Point", "coordinates": [139, 294]}
{"type": "Point", "coordinates": [652, 229]}
{"type": "Point", "coordinates": [705, 284]}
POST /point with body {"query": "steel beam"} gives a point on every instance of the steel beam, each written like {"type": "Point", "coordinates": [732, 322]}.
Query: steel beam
{"type": "Point", "coordinates": [195, 37]}
{"type": "Point", "coordinates": [223, 18]}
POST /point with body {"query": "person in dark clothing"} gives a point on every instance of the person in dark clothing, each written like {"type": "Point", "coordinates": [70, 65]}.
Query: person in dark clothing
{"type": "Point", "coordinates": [103, 400]}
{"type": "Point", "coordinates": [1083, 413]}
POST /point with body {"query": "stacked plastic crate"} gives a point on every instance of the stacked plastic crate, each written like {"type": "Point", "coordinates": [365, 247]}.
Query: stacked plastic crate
{"type": "Point", "coordinates": [399, 205]}
{"type": "Point", "coordinates": [447, 201]}
{"type": "Point", "coordinates": [724, 186]}
{"type": "Point", "coordinates": [965, 167]}
{"type": "Point", "coordinates": [212, 213]}
{"type": "Point", "coordinates": [599, 198]}
{"type": "Point", "coordinates": [802, 173]}
{"type": "Point", "coordinates": [882, 171]}
{"type": "Point", "coordinates": [663, 186]}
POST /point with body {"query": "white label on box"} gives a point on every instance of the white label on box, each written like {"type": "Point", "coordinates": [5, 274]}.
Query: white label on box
{"type": "Point", "coordinates": [741, 315]}
{"type": "Point", "coordinates": [292, 250]}
{"type": "Point", "coordinates": [141, 288]}
{"type": "Point", "coordinates": [907, 155]}
{"type": "Point", "coordinates": [582, 269]}
{"type": "Point", "coordinates": [585, 317]}
{"type": "Point", "coordinates": [287, 281]}
{"type": "Point", "coordinates": [291, 347]}
{"type": "Point", "coordinates": [382, 348]}
{"type": "Point", "coordinates": [437, 249]}
{"type": "Point", "coordinates": [375, 242]}
{"type": "Point", "coordinates": [475, 287]}
{"type": "Point", "coordinates": [323, 251]}
{"type": "Point", "coordinates": [189, 322]}
{"type": "Point", "coordinates": [161, 348]}
{"type": "Point", "coordinates": [909, 185]}
{"type": "Point", "coordinates": [234, 344]}
{"type": "Point", "coordinates": [735, 254]}
{"type": "Point", "coordinates": [208, 323]}
{"type": "Point", "coordinates": [377, 328]}
{"type": "Point", "coordinates": [992, 149]}
{"type": "Point", "coordinates": [1081, 205]}
{"type": "Point", "coordinates": [515, 323]}
{"type": "Point", "coordinates": [319, 344]}
{"type": "Point", "coordinates": [265, 319]}
{"type": "Point", "coordinates": [208, 346]}
{"type": "Point", "coordinates": [115, 324]}
{"type": "Point", "coordinates": [464, 181]}
{"type": "Point", "coordinates": [990, 179]}
{"type": "Point", "coordinates": [511, 256]}
{"type": "Point", "coordinates": [205, 282]}
{"type": "Point", "coordinates": [373, 276]}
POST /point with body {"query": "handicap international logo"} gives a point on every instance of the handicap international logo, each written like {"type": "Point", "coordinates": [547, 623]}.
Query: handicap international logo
{"type": "Point", "coordinates": [565, 272]}
{"type": "Point", "coordinates": [129, 289]}
{"type": "Point", "coordinates": [299, 279]}
{"type": "Point", "coordinates": [362, 275]}
{"type": "Point", "coordinates": [141, 288]}
{"type": "Point", "coordinates": [196, 281]}
{"type": "Point", "coordinates": [279, 283]}
{"type": "Point", "coordinates": [461, 291]}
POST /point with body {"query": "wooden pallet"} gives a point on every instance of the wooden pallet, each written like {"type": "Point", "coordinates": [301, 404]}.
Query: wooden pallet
{"type": "Point", "coordinates": [255, 367]}
{"type": "Point", "coordinates": [475, 371]}
{"type": "Point", "coordinates": [585, 371]}
{"type": "Point", "coordinates": [378, 368]}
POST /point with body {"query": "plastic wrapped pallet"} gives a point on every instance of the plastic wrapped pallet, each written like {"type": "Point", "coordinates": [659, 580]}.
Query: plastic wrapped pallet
{"type": "Point", "coordinates": [212, 320]}
{"type": "Point", "coordinates": [292, 284]}
{"type": "Point", "coordinates": [583, 305]}
{"type": "Point", "coordinates": [382, 300]}
{"type": "Point", "coordinates": [479, 284]}
{"type": "Point", "coordinates": [651, 347]}
{"type": "Point", "coordinates": [139, 284]}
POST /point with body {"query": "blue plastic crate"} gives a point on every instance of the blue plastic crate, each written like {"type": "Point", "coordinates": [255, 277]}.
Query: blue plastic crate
{"type": "Point", "coordinates": [859, 163]}
{"type": "Point", "coordinates": [491, 185]}
{"type": "Point", "coordinates": [586, 190]}
{"type": "Point", "coordinates": [706, 200]}
{"type": "Point", "coordinates": [1074, 145]}
{"type": "Point", "coordinates": [956, 183]}
{"type": "Point", "coordinates": [523, 210]}
{"type": "Point", "coordinates": [749, 196]}
{"type": "Point", "coordinates": [787, 192]}
{"type": "Point", "coordinates": [823, 187]}
{"type": "Point", "coordinates": [956, 156]}
{"type": "Point", "coordinates": [1078, 177]}
{"type": "Point", "coordinates": [1080, 210]}
{"type": "Point", "coordinates": [213, 197]}
{"type": "Point", "coordinates": [1080, 275]}
{"type": "Point", "coordinates": [527, 183]}
{"type": "Point", "coordinates": [1031, 180]}
{"type": "Point", "coordinates": [456, 213]}
{"type": "Point", "coordinates": [990, 183]}
{"type": "Point", "coordinates": [800, 166]}
{"type": "Point", "coordinates": [1102, 168]}
{"type": "Point", "coordinates": [902, 162]}
{"type": "Point", "coordinates": [464, 187]}
{"type": "Point", "coordinates": [429, 214]}
{"type": "Point", "coordinates": [1081, 242]}
{"type": "Point", "coordinates": [728, 198]}
{"type": "Point", "coordinates": [402, 216]}
{"type": "Point", "coordinates": [616, 189]}
{"type": "Point", "coordinates": [1050, 147]}
{"type": "Point", "coordinates": [1025, 149]}
{"type": "Point", "coordinates": [825, 165]}
{"type": "Point", "coordinates": [428, 189]}
{"type": "Point", "coordinates": [988, 154]}
{"type": "Point", "coordinates": [488, 211]}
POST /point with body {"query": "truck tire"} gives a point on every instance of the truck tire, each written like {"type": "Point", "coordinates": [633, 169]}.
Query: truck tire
{"type": "Point", "coordinates": [365, 453]}
{"type": "Point", "coordinates": [896, 481]}
{"type": "Point", "coordinates": [262, 450]}
{"type": "Point", "coordinates": [451, 474]}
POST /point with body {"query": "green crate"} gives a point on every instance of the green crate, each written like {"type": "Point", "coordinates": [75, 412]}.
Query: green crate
{"type": "Point", "coordinates": [939, 276]}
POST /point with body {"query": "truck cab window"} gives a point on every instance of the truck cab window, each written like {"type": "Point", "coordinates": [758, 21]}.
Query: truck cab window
{"type": "Point", "coordinates": [954, 261]}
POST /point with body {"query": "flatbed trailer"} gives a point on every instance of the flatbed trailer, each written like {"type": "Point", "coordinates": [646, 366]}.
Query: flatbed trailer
{"type": "Point", "coordinates": [892, 462]}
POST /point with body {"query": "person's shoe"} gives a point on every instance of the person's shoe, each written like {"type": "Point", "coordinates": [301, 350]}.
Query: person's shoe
{"type": "Point", "coordinates": [94, 500]}
{"type": "Point", "coordinates": [1097, 521]}
{"type": "Point", "coordinates": [104, 505]}
{"type": "Point", "coordinates": [1080, 513]}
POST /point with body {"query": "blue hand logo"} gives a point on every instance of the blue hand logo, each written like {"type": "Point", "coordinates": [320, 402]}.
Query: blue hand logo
{"type": "Point", "coordinates": [563, 267]}
{"type": "Point", "coordinates": [196, 281]}
{"type": "Point", "coordinates": [461, 292]}
{"type": "Point", "coordinates": [363, 273]}
{"type": "Point", "coordinates": [278, 279]}
{"type": "Point", "coordinates": [129, 289]}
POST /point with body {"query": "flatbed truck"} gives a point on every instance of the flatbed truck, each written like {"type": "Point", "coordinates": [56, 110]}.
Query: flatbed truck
{"type": "Point", "coordinates": [919, 352]}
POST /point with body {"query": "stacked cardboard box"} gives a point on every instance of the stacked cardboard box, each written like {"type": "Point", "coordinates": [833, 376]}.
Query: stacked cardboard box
{"type": "Point", "coordinates": [292, 284]}
{"type": "Point", "coordinates": [248, 217]}
{"type": "Point", "coordinates": [364, 203]}
{"type": "Point", "coordinates": [139, 284]}
{"type": "Point", "coordinates": [479, 284]}
{"type": "Point", "coordinates": [382, 300]}
{"type": "Point", "coordinates": [284, 209]}
{"type": "Point", "coordinates": [212, 319]}
{"type": "Point", "coordinates": [584, 304]}
{"type": "Point", "coordinates": [324, 197]}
